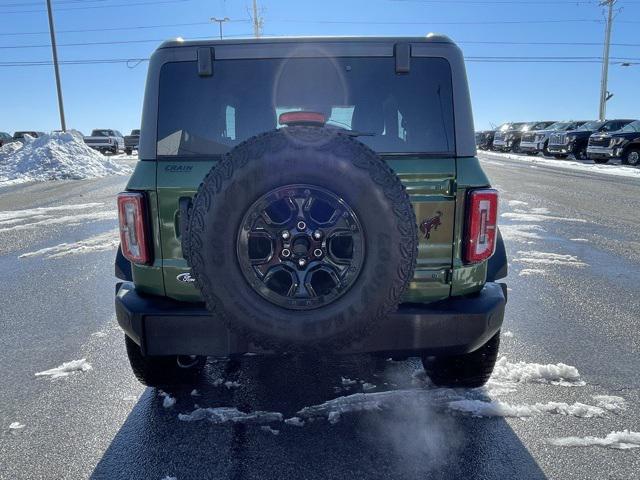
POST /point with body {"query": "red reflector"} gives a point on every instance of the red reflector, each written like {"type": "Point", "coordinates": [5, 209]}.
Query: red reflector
{"type": "Point", "coordinates": [293, 118]}
{"type": "Point", "coordinates": [481, 225]}
{"type": "Point", "coordinates": [133, 227]}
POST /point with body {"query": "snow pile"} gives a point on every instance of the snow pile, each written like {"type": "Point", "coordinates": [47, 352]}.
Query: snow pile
{"type": "Point", "coordinates": [223, 415]}
{"type": "Point", "coordinates": [623, 440]}
{"type": "Point", "coordinates": [66, 369]}
{"type": "Point", "coordinates": [548, 258]}
{"type": "Point", "coordinates": [498, 408]}
{"type": "Point", "coordinates": [98, 243]}
{"type": "Point", "coordinates": [57, 156]}
{"type": "Point", "coordinates": [522, 372]}
{"type": "Point", "coordinates": [16, 426]}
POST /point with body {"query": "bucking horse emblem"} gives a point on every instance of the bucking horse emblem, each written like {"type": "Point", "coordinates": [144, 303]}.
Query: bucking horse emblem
{"type": "Point", "coordinates": [429, 224]}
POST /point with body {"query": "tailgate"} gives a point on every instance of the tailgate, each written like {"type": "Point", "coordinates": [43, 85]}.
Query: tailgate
{"type": "Point", "coordinates": [429, 182]}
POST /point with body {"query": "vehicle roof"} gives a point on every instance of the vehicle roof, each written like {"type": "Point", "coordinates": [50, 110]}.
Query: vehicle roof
{"type": "Point", "coordinates": [429, 38]}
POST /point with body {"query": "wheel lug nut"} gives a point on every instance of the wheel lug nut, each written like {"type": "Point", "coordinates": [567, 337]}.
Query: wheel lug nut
{"type": "Point", "coordinates": [302, 262]}
{"type": "Point", "coordinates": [317, 235]}
{"type": "Point", "coordinates": [285, 235]}
{"type": "Point", "coordinates": [285, 252]}
{"type": "Point", "coordinates": [317, 253]}
{"type": "Point", "coordinates": [301, 225]}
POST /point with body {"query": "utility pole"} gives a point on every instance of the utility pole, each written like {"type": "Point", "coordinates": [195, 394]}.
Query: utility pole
{"type": "Point", "coordinates": [257, 20]}
{"type": "Point", "coordinates": [604, 94]}
{"type": "Point", "coordinates": [220, 21]}
{"type": "Point", "coordinates": [63, 124]}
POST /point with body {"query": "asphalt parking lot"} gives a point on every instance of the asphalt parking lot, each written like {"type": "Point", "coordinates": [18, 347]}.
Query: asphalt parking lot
{"type": "Point", "coordinates": [574, 247]}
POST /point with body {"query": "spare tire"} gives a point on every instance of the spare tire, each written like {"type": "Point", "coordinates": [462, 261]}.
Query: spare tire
{"type": "Point", "coordinates": [301, 237]}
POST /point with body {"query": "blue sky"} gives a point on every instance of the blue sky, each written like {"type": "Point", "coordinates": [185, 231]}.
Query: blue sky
{"type": "Point", "coordinates": [110, 95]}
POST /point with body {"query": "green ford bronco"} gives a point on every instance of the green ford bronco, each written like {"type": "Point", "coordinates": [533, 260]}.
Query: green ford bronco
{"type": "Point", "coordinates": [309, 195]}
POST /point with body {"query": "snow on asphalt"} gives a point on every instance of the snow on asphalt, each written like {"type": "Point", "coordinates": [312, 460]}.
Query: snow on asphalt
{"type": "Point", "coordinates": [16, 426]}
{"type": "Point", "coordinates": [538, 217]}
{"type": "Point", "coordinates": [498, 408]}
{"type": "Point", "coordinates": [226, 415]}
{"type": "Point", "coordinates": [66, 369]}
{"type": "Point", "coordinates": [623, 440]}
{"type": "Point", "coordinates": [78, 214]}
{"type": "Point", "coordinates": [98, 243]}
{"type": "Point", "coordinates": [548, 258]}
{"type": "Point", "coordinates": [57, 156]}
{"type": "Point", "coordinates": [528, 272]}
{"type": "Point", "coordinates": [587, 166]}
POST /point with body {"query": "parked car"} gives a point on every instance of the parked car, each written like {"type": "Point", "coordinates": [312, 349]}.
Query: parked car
{"type": "Point", "coordinates": [484, 139]}
{"type": "Point", "coordinates": [20, 135]}
{"type": "Point", "coordinates": [105, 140]}
{"type": "Point", "coordinates": [536, 141]}
{"type": "Point", "coordinates": [574, 142]}
{"type": "Point", "coordinates": [5, 138]}
{"type": "Point", "coordinates": [623, 144]}
{"type": "Point", "coordinates": [511, 138]}
{"type": "Point", "coordinates": [500, 141]}
{"type": "Point", "coordinates": [264, 241]}
{"type": "Point", "coordinates": [131, 141]}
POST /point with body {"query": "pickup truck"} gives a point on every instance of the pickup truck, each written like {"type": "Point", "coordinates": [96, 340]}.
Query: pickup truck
{"type": "Point", "coordinates": [131, 141]}
{"type": "Point", "coordinates": [20, 135]}
{"type": "Point", "coordinates": [623, 144]}
{"type": "Point", "coordinates": [575, 142]}
{"type": "Point", "coordinates": [105, 140]}
{"type": "Point", "coordinates": [536, 141]}
{"type": "Point", "coordinates": [5, 138]}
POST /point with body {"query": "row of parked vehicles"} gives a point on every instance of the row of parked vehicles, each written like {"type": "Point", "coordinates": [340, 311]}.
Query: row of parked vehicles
{"type": "Point", "coordinates": [104, 140]}
{"type": "Point", "coordinates": [599, 141]}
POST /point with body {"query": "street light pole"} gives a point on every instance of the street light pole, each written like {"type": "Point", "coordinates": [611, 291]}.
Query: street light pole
{"type": "Point", "coordinates": [604, 94]}
{"type": "Point", "coordinates": [220, 21]}
{"type": "Point", "coordinates": [63, 124]}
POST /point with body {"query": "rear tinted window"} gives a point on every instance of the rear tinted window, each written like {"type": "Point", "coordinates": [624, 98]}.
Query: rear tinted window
{"type": "Point", "coordinates": [399, 113]}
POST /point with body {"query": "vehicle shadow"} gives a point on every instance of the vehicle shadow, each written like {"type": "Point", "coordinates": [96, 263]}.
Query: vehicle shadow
{"type": "Point", "coordinates": [407, 437]}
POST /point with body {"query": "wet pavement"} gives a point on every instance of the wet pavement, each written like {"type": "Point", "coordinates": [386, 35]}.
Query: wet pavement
{"type": "Point", "coordinates": [574, 247]}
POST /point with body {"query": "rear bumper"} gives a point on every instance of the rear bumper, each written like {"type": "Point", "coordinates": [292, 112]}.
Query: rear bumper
{"type": "Point", "coordinates": [163, 326]}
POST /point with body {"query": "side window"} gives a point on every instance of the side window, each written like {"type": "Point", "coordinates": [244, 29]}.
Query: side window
{"type": "Point", "coordinates": [230, 122]}
{"type": "Point", "coordinates": [402, 133]}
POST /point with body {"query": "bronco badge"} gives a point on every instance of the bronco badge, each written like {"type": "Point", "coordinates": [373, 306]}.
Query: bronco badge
{"type": "Point", "coordinates": [430, 223]}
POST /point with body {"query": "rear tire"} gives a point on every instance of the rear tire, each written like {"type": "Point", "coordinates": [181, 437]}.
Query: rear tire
{"type": "Point", "coordinates": [469, 370]}
{"type": "Point", "coordinates": [163, 371]}
{"type": "Point", "coordinates": [632, 157]}
{"type": "Point", "coordinates": [128, 151]}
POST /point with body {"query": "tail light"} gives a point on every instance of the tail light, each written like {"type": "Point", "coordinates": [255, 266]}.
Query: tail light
{"type": "Point", "coordinates": [481, 225]}
{"type": "Point", "coordinates": [133, 227]}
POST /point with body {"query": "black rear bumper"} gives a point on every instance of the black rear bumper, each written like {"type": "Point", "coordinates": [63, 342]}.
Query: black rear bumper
{"type": "Point", "coordinates": [163, 326]}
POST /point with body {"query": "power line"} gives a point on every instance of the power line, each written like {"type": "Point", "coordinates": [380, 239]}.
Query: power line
{"type": "Point", "coordinates": [490, 59]}
{"type": "Point", "coordinates": [88, 7]}
{"type": "Point", "coordinates": [115, 29]}
{"type": "Point", "coordinates": [459, 42]}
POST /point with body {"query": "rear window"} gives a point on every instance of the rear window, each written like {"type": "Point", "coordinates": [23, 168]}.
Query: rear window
{"type": "Point", "coordinates": [102, 133]}
{"type": "Point", "coordinates": [395, 113]}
